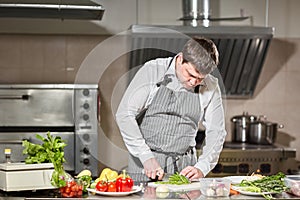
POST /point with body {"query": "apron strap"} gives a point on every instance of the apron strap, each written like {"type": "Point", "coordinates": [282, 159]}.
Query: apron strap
{"type": "Point", "coordinates": [166, 79]}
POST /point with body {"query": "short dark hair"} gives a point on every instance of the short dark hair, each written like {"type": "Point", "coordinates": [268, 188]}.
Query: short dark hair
{"type": "Point", "coordinates": [202, 53]}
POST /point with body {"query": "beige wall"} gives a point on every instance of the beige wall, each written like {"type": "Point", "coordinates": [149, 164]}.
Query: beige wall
{"type": "Point", "coordinates": [57, 59]}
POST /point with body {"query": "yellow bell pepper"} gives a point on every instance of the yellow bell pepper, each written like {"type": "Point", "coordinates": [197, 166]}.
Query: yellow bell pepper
{"type": "Point", "coordinates": [107, 174]}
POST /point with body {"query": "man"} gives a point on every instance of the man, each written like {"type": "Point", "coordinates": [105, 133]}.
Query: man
{"type": "Point", "coordinates": [160, 113]}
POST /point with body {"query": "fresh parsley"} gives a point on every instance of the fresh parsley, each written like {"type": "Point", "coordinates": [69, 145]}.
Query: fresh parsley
{"type": "Point", "coordinates": [51, 150]}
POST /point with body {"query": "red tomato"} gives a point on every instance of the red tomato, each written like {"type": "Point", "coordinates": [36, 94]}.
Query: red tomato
{"type": "Point", "coordinates": [101, 186]}
{"type": "Point", "coordinates": [111, 187]}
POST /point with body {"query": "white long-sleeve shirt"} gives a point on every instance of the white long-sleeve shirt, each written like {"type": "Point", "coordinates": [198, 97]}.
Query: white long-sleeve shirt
{"type": "Point", "coordinates": [139, 95]}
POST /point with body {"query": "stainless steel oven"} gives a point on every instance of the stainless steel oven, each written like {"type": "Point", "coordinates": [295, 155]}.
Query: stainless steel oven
{"type": "Point", "coordinates": [67, 110]}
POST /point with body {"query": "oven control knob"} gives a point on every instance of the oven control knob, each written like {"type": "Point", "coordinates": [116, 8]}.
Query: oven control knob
{"type": "Point", "coordinates": [85, 117]}
{"type": "Point", "coordinates": [86, 106]}
{"type": "Point", "coordinates": [86, 161]}
{"type": "Point", "coordinates": [86, 137]}
{"type": "Point", "coordinates": [86, 150]}
{"type": "Point", "coordinates": [86, 92]}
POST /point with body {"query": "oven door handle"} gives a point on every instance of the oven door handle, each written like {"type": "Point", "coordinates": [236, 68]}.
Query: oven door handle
{"type": "Point", "coordinates": [15, 97]}
{"type": "Point", "coordinates": [11, 141]}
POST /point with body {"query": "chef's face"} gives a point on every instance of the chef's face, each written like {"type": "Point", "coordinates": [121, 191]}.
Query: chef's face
{"type": "Point", "coordinates": [188, 74]}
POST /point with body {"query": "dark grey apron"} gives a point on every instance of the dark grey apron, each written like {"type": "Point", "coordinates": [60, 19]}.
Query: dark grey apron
{"type": "Point", "coordinates": [169, 126]}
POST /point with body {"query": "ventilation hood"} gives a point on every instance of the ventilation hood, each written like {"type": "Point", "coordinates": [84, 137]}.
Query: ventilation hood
{"type": "Point", "coordinates": [242, 50]}
{"type": "Point", "coordinates": [54, 9]}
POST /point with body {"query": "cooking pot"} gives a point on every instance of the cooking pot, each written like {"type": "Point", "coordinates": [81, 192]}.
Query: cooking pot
{"type": "Point", "coordinates": [263, 132]}
{"type": "Point", "coordinates": [239, 126]}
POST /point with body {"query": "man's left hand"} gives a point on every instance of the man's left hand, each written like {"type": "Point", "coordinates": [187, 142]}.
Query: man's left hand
{"type": "Point", "coordinates": [192, 173]}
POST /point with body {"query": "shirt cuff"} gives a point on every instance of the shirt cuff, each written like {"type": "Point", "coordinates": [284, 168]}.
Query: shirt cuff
{"type": "Point", "coordinates": [146, 156]}
{"type": "Point", "coordinates": [203, 166]}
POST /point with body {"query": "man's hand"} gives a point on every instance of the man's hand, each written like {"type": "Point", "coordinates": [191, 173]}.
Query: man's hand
{"type": "Point", "coordinates": [192, 173]}
{"type": "Point", "coordinates": [153, 169]}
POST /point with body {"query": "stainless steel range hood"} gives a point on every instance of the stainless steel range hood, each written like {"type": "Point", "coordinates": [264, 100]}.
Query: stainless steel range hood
{"type": "Point", "coordinates": [242, 49]}
{"type": "Point", "coordinates": [55, 9]}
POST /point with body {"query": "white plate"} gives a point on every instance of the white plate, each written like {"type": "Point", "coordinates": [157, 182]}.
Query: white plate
{"type": "Point", "coordinates": [241, 191]}
{"type": "Point", "coordinates": [135, 189]}
{"type": "Point", "coordinates": [238, 179]}
{"type": "Point", "coordinates": [235, 179]}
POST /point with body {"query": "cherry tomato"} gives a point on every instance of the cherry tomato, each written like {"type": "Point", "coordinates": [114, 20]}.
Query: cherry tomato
{"type": "Point", "coordinates": [67, 190]}
{"type": "Point", "coordinates": [101, 186]}
{"type": "Point", "coordinates": [111, 187]}
{"type": "Point", "coordinates": [72, 189]}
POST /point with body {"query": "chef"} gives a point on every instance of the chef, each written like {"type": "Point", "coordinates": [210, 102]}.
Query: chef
{"type": "Point", "coordinates": [160, 113]}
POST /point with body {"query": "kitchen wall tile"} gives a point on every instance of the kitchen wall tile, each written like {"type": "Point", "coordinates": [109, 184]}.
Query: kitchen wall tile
{"type": "Point", "coordinates": [246, 8]}
{"type": "Point", "coordinates": [285, 22]}
{"type": "Point", "coordinates": [275, 90]}
{"type": "Point", "coordinates": [78, 47]}
{"type": "Point", "coordinates": [232, 108]}
{"type": "Point", "coordinates": [291, 125]}
{"type": "Point", "coordinates": [71, 76]}
{"type": "Point", "coordinates": [293, 63]}
{"type": "Point", "coordinates": [10, 51]}
{"type": "Point", "coordinates": [278, 54]}
{"type": "Point", "coordinates": [55, 52]}
{"type": "Point", "coordinates": [275, 62]}
{"type": "Point", "coordinates": [292, 87]}
{"type": "Point", "coordinates": [154, 12]}
{"type": "Point", "coordinates": [253, 107]}
{"type": "Point", "coordinates": [54, 76]}
{"type": "Point", "coordinates": [9, 76]}
{"type": "Point", "coordinates": [32, 51]}
{"type": "Point", "coordinates": [31, 76]}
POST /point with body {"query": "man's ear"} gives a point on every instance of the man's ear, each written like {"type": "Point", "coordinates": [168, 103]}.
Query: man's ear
{"type": "Point", "coordinates": [180, 58]}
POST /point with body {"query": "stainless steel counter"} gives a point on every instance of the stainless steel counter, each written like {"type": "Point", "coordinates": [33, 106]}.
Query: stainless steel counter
{"type": "Point", "coordinates": [146, 193]}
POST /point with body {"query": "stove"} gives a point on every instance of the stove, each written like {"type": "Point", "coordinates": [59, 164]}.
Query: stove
{"type": "Point", "coordinates": [245, 159]}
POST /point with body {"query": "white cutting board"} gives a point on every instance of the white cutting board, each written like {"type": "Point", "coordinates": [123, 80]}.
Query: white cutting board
{"type": "Point", "coordinates": [179, 188]}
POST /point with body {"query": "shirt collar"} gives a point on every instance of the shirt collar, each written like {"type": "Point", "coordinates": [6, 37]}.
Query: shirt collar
{"type": "Point", "coordinates": [171, 69]}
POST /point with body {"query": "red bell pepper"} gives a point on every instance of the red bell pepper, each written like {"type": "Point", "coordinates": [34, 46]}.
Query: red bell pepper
{"type": "Point", "coordinates": [124, 183]}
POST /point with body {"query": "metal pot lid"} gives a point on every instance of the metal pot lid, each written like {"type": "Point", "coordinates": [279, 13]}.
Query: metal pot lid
{"type": "Point", "coordinates": [245, 115]}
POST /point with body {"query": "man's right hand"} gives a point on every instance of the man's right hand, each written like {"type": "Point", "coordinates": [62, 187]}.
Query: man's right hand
{"type": "Point", "coordinates": [152, 169]}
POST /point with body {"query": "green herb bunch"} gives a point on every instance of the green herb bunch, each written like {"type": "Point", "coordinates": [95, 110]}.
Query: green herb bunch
{"type": "Point", "coordinates": [176, 179]}
{"type": "Point", "coordinates": [51, 150]}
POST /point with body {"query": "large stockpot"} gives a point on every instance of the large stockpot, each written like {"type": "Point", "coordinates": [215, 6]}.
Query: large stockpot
{"type": "Point", "coordinates": [239, 126]}
{"type": "Point", "coordinates": [263, 132]}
